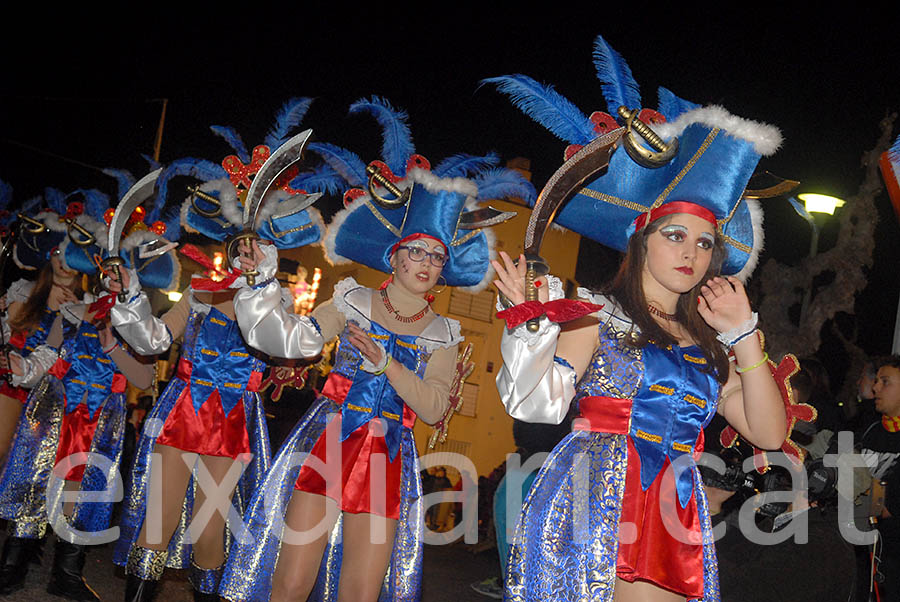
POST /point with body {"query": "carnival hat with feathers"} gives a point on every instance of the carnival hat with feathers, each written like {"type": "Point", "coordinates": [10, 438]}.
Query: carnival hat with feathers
{"type": "Point", "coordinates": [366, 231]}
{"type": "Point", "coordinates": [216, 212]}
{"type": "Point", "coordinates": [716, 156]}
{"type": "Point", "coordinates": [67, 222]}
{"type": "Point", "coordinates": [148, 243]}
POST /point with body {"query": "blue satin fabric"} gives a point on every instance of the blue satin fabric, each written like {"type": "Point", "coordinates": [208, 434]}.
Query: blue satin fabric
{"type": "Point", "coordinates": [90, 372]}
{"type": "Point", "coordinates": [33, 250]}
{"type": "Point", "coordinates": [24, 494]}
{"type": "Point", "coordinates": [565, 547]}
{"type": "Point", "coordinates": [668, 407]}
{"type": "Point", "coordinates": [372, 396]}
{"type": "Point", "coordinates": [716, 180]}
{"type": "Point", "coordinates": [40, 334]}
{"type": "Point", "coordinates": [137, 489]}
{"type": "Point", "coordinates": [220, 362]}
{"type": "Point", "coordinates": [363, 236]}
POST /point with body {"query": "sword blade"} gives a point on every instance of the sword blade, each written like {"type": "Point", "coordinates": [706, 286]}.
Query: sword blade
{"type": "Point", "coordinates": [137, 194]}
{"type": "Point", "coordinates": [482, 218]}
{"type": "Point", "coordinates": [583, 166]}
{"type": "Point", "coordinates": [286, 155]}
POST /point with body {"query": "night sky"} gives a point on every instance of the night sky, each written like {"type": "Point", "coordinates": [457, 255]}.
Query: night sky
{"type": "Point", "coordinates": [86, 88]}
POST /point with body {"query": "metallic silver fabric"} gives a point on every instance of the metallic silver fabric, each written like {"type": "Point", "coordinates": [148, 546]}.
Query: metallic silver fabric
{"type": "Point", "coordinates": [266, 325]}
{"type": "Point", "coordinates": [135, 322]}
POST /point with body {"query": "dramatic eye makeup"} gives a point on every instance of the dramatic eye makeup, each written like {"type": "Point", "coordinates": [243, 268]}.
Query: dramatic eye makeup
{"type": "Point", "coordinates": [706, 240]}
{"type": "Point", "coordinates": [674, 232]}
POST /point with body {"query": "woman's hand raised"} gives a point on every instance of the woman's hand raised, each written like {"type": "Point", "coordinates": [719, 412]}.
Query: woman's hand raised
{"type": "Point", "coordinates": [723, 303]}
{"type": "Point", "coordinates": [511, 280]}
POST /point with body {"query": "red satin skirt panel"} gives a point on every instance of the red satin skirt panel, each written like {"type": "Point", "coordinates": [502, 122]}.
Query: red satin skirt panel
{"type": "Point", "coordinates": [75, 436]}
{"type": "Point", "coordinates": [363, 480]}
{"type": "Point", "coordinates": [665, 538]}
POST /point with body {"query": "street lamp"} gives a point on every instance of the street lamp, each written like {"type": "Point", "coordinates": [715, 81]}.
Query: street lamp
{"type": "Point", "coordinates": [813, 203]}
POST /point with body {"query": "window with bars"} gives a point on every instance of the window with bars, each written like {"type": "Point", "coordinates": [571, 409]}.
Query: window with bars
{"type": "Point", "coordinates": [479, 306]}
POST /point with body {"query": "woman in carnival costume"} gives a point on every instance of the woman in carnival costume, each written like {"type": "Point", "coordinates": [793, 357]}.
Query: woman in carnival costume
{"type": "Point", "coordinates": [316, 526]}
{"type": "Point", "coordinates": [673, 342]}
{"type": "Point", "coordinates": [211, 406]}
{"type": "Point", "coordinates": [30, 307]}
{"type": "Point", "coordinates": [69, 438]}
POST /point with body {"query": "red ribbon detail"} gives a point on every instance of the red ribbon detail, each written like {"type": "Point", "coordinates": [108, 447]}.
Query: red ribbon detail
{"type": "Point", "coordinates": [561, 310]}
{"type": "Point", "coordinates": [18, 339]}
{"type": "Point", "coordinates": [208, 284]}
{"type": "Point", "coordinates": [100, 308]}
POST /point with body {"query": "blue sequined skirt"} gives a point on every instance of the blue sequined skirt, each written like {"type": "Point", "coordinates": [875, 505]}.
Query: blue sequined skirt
{"type": "Point", "coordinates": [565, 546]}
{"type": "Point", "coordinates": [28, 496]}
{"type": "Point", "coordinates": [248, 573]}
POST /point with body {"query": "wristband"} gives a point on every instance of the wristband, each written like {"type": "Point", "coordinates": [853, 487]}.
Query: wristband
{"type": "Point", "coordinates": [740, 370]}
{"type": "Point", "coordinates": [386, 364]}
{"type": "Point", "coordinates": [729, 338]}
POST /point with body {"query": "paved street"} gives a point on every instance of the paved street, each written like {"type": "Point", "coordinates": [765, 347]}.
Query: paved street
{"type": "Point", "coordinates": [448, 572]}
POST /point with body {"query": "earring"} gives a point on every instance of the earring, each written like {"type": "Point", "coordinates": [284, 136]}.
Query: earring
{"type": "Point", "coordinates": [438, 292]}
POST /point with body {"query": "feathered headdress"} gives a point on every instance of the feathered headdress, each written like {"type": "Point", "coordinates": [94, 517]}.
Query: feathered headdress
{"type": "Point", "coordinates": [716, 156]}
{"type": "Point", "coordinates": [214, 209]}
{"type": "Point", "coordinates": [431, 201]}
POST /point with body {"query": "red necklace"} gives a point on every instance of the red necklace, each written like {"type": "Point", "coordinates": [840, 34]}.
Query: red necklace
{"type": "Point", "coordinates": [405, 319]}
{"type": "Point", "coordinates": [660, 313]}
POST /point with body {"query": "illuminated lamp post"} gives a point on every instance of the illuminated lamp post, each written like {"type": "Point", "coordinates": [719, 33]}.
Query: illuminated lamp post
{"type": "Point", "coordinates": [813, 203]}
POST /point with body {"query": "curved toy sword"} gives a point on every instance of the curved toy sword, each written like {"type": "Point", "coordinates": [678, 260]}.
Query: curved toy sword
{"type": "Point", "coordinates": [141, 191]}
{"type": "Point", "coordinates": [277, 163]}
{"type": "Point", "coordinates": [583, 166]}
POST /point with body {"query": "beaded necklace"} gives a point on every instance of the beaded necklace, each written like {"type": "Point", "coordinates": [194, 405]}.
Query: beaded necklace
{"type": "Point", "coordinates": [405, 319]}
{"type": "Point", "coordinates": [660, 313]}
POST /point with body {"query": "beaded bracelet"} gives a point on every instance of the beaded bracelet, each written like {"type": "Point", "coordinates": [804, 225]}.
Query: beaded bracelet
{"type": "Point", "coordinates": [740, 370]}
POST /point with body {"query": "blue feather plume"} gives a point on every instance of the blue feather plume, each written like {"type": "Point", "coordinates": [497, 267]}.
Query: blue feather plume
{"type": "Point", "coordinates": [123, 178]}
{"type": "Point", "coordinates": [233, 139]}
{"type": "Point", "coordinates": [671, 106]}
{"type": "Point", "coordinates": [195, 168]}
{"type": "Point", "coordinates": [95, 203]}
{"type": "Point", "coordinates": [618, 85]}
{"type": "Point", "coordinates": [398, 145]}
{"type": "Point", "coordinates": [321, 179]}
{"type": "Point", "coordinates": [499, 183]}
{"type": "Point", "coordinates": [32, 206]}
{"type": "Point", "coordinates": [461, 165]}
{"type": "Point", "coordinates": [55, 199]}
{"type": "Point", "coordinates": [346, 163]}
{"type": "Point", "coordinates": [290, 116]}
{"type": "Point", "coordinates": [172, 220]}
{"type": "Point", "coordinates": [6, 193]}
{"type": "Point", "coordinates": [546, 106]}
{"type": "Point", "coordinates": [151, 162]}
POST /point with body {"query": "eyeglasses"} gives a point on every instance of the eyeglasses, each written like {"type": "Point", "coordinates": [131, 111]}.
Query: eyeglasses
{"type": "Point", "coordinates": [417, 254]}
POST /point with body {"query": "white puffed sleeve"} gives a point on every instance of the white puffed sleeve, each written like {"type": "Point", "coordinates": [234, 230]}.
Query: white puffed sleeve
{"type": "Point", "coordinates": [265, 323]}
{"type": "Point", "coordinates": [135, 322]}
{"type": "Point", "coordinates": [35, 366]}
{"type": "Point", "coordinates": [534, 385]}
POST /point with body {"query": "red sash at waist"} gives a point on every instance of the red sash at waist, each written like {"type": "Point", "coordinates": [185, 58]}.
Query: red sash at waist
{"type": "Point", "coordinates": [185, 367]}
{"type": "Point", "coordinates": [13, 392]}
{"type": "Point", "coordinates": [604, 415]}
{"type": "Point", "coordinates": [337, 386]}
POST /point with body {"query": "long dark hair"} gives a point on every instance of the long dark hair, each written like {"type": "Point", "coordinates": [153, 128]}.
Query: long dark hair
{"type": "Point", "coordinates": [30, 313]}
{"type": "Point", "coordinates": [626, 288]}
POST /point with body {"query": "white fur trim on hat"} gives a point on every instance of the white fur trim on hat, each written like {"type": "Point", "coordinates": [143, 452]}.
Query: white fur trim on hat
{"type": "Point", "coordinates": [766, 139]}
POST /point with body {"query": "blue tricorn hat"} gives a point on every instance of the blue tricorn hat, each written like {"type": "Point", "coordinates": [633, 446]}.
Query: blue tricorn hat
{"type": "Point", "coordinates": [717, 154]}
{"type": "Point", "coordinates": [367, 232]}
{"type": "Point", "coordinates": [228, 181]}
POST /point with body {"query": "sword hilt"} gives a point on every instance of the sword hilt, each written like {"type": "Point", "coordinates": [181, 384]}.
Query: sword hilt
{"type": "Point", "coordinates": [664, 151]}
{"type": "Point", "coordinates": [535, 267]}
{"type": "Point", "coordinates": [114, 264]}
{"type": "Point", "coordinates": [233, 253]}
{"type": "Point", "coordinates": [376, 177]}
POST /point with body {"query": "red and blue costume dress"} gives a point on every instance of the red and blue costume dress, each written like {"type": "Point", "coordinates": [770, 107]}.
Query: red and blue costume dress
{"type": "Point", "coordinates": [77, 409]}
{"type": "Point", "coordinates": [363, 414]}
{"type": "Point", "coordinates": [210, 407]}
{"type": "Point", "coordinates": [621, 495]}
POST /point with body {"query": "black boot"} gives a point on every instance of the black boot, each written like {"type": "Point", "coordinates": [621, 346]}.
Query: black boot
{"type": "Point", "coordinates": [65, 577]}
{"type": "Point", "coordinates": [139, 590]}
{"type": "Point", "coordinates": [17, 552]}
